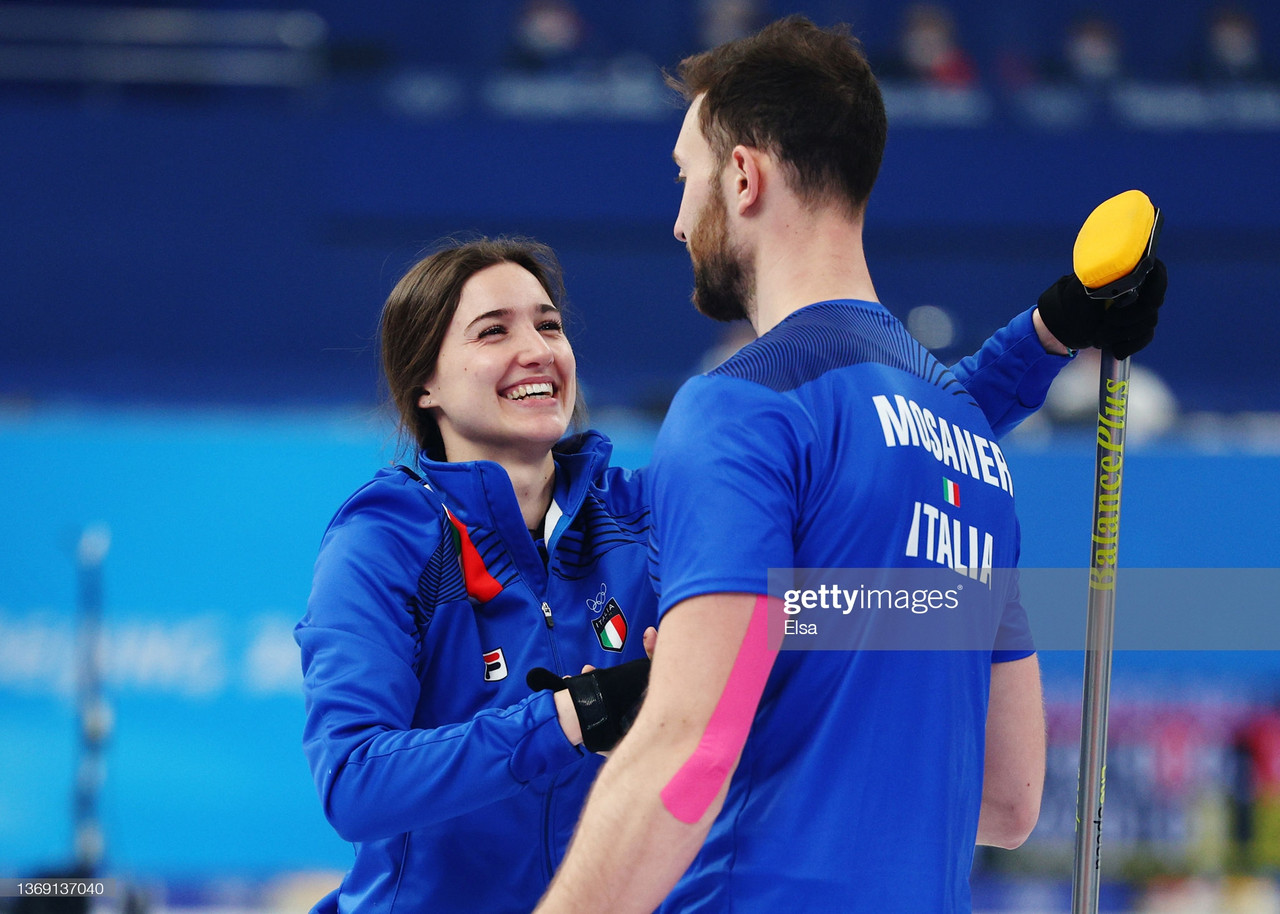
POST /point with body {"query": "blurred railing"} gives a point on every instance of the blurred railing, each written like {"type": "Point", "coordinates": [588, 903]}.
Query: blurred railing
{"type": "Point", "coordinates": [59, 44]}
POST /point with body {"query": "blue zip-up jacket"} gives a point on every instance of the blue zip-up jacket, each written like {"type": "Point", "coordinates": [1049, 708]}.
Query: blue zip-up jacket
{"type": "Point", "coordinates": [455, 784]}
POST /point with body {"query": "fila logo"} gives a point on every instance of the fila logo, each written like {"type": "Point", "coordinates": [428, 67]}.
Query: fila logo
{"type": "Point", "coordinates": [495, 666]}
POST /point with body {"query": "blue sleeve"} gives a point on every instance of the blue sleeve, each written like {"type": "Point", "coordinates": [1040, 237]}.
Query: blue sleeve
{"type": "Point", "coordinates": [1010, 375]}
{"type": "Point", "coordinates": [1013, 636]}
{"type": "Point", "coordinates": [378, 775]}
{"type": "Point", "coordinates": [723, 488]}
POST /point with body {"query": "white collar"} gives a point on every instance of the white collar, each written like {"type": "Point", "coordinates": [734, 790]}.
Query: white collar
{"type": "Point", "coordinates": [554, 513]}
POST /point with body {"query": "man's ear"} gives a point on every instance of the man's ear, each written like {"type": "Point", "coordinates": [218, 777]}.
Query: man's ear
{"type": "Point", "coordinates": [747, 176]}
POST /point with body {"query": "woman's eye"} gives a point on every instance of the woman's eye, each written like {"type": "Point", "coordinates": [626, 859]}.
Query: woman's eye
{"type": "Point", "coordinates": [495, 330]}
{"type": "Point", "coordinates": [553, 326]}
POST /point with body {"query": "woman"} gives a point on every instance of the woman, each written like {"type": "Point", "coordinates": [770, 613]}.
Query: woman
{"type": "Point", "coordinates": [506, 547]}
{"type": "Point", "coordinates": [435, 592]}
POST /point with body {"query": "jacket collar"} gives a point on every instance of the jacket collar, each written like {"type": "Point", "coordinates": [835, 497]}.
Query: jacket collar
{"type": "Point", "coordinates": [479, 491]}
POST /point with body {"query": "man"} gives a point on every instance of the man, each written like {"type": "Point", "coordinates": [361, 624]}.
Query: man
{"type": "Point", "coordinates": [759, 780]}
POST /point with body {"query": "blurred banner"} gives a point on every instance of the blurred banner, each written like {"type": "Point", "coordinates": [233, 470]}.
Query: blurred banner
{"type": "Point", "coordinates": [215, 520]}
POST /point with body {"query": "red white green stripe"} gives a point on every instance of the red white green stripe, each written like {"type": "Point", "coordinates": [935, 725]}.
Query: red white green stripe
{"type": "Point", "coordinates": [614, 633]}
{"type": "Point", "coordinates": [951, 492]}
{"type": "Point", "coordinates": [480, 584]}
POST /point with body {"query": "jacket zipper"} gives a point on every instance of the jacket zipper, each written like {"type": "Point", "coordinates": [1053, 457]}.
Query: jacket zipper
{"type": "Point", "coordinates": [550, 622]}
{"type": "Point", "coordinates": [548, 839]}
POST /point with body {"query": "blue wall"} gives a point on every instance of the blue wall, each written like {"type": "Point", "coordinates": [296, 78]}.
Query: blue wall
{"type": "Point", "coordinates": [241, 255]}
{"type": "Point", "coordinates": [209, 246]}
{"type": "Point", "coordinates": [475, 35]}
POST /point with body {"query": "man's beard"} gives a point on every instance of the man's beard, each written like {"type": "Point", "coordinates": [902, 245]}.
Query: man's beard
{"type": "Point", "coordinates": [723, 289]}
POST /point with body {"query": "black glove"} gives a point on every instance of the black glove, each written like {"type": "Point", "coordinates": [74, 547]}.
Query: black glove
{"type": "Point", "coordinates": [1079, 321]}
{"type": "Point", "coordinates": [606, 700]}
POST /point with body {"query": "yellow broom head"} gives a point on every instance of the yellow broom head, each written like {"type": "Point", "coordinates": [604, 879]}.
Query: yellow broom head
{"type": "Point", "coordinates": [1115, 239]}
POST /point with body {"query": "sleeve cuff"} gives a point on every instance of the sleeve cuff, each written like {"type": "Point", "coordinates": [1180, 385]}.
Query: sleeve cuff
{"type": "Point", "coordinates": [1025, 355]}
{"type": "Point", "coordinates": [544, 749]}
{"type": "Point", "coordinates": [1010, 656]}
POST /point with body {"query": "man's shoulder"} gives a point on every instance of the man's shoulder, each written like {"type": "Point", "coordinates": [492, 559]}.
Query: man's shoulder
{"type": "Point", "coordinates": [719, 401]}
{"type": "Point", "coordinates": [814, 341]}
{"type": "Point", "coordinates": [719, 424]}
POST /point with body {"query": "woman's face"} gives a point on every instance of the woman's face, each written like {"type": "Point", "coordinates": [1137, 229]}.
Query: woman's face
{"type": "Point", "coordinates": [505, 380]}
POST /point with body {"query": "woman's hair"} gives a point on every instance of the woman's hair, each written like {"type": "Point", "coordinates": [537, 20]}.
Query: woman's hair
{"type": "Point", "coordinates": [420, 308]}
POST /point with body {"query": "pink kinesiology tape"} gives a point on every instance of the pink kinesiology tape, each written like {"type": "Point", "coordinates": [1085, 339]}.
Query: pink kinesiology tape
{"type": "Point", "coordinates": [689, 794]}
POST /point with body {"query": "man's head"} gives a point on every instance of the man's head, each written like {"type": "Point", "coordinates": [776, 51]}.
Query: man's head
{"type": "Point", "coordinates": [801, 96]}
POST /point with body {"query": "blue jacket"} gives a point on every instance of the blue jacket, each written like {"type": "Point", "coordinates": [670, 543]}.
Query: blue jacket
{"type": "Point", "coordinates": [455, 784]}
{"type": "Point", "coordinates": [460, 792]}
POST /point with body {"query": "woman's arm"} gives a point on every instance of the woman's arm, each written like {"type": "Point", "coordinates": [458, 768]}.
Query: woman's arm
{"type": "Point", "coordinates": [378, 775]}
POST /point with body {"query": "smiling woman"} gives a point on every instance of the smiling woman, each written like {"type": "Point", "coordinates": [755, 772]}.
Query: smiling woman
{"type": "Point", "coordinates": [507, 546]}
{"type": "Point", "coordinates": [453, 301]}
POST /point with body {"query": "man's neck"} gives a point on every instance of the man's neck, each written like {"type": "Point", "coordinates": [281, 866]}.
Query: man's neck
{"type": "Point", "coordinates": [818, 258]}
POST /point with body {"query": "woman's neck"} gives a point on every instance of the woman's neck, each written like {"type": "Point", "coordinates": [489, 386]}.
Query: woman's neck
{"type": "Point", "coordinates": [532, 472]}
{"type": "Point", "coordinates": [534, 484]}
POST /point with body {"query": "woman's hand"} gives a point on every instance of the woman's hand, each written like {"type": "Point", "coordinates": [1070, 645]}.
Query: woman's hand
{"type": "Point", "coordinates": [568, 714]}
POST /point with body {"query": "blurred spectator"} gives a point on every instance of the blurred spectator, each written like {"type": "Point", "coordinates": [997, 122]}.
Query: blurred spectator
{"type": "Point", "coordinates": [1091, 53]}
{"type": "Point", "coordinates": [1257, 813]}
{"type": "Point", "coordinates": [1016, 69]}
{"type": "Point", "coordinates": [720, 21]}
{"type": "Point", "coordinates": [1233, 49]}
{"type": "Point", "coordinates": [929, 51]}
{"type": "Point", "coordinates": [549, 35]}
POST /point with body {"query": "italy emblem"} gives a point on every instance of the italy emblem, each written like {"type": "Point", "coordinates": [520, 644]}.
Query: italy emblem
{"type": "Point", "coordinates": [611, 627]}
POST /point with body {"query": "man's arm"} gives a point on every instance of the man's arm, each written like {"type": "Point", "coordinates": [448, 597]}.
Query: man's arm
{"type": "Point", "coordinates": [1051, 343]}
{"type": "Point", "coordinates": [1013, 773]}
{"type": "Point", "coordinates": [656, 799]}
{"type": "Point", "coordinates": [1010, 374]}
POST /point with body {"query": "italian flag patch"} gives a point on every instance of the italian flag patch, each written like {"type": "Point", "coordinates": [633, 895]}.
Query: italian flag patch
{"type": "Point", "coordinates": [611, 627]}
{"type": "Point", "coordinates": [951, 492]}
{"type": "Point", "coordinates": [480, 584]}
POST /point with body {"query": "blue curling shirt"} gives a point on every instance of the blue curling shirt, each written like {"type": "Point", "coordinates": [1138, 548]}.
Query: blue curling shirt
{"type": "Point", "coordinates": [836, 441]}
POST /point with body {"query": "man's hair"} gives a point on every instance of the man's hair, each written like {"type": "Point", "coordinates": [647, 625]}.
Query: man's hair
{"type": "Point", "coordinates": [804, 94]}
